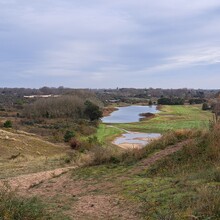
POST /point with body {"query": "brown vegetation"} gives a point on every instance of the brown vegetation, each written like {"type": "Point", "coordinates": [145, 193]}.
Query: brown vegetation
{"type": "Point", "coordinates": [108, 110]}
{"type": "Point", "coordinates": [147, 115]}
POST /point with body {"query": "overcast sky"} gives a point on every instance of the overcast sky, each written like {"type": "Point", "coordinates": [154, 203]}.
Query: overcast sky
{"type": "Point", "coordinates": [109, 44]}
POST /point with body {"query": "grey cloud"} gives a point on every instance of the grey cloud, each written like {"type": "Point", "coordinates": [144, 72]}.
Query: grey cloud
{"type": "Point", "coordinates": [52, 41]}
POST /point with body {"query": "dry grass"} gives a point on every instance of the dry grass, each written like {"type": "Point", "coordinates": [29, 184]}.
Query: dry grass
{"type": "Point", "coordinates": [22, 152]}
{"type": "Point", "coordinates": [207, 205]}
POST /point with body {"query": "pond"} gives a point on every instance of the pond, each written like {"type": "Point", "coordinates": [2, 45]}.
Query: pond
{"type": "Point", "coordinates": [129, 114]}
{"type": "Point", "coordinates": [135, 139]}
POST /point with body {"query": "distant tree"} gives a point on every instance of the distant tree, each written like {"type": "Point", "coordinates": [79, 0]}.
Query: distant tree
{"type": "Point", "coordinates": [205, 106]}
{"type": "Point", "coordinates": [170, 101]}
{"type": "Point", "coordinates": [7, 124]}
{"type": "Point", "coordinates": [196, 101]}
{"type": "Point", "coordinates": [150, 103]}
{"type": "Point", "coordinates": [92, 111]}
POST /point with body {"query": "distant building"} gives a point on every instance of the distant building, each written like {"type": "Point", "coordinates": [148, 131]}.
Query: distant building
{"type": "Point", "coordinates": [113, 100]}
{"type": "Point", "coordinates": [40, 96]}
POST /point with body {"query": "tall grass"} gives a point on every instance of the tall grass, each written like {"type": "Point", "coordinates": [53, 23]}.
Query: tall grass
{"type": "Point", "coordinates": [13, 207]}
{"type": "Point", "coordinates": [207, 205]}
{"type": "Point", "coordinates": [197, 168]}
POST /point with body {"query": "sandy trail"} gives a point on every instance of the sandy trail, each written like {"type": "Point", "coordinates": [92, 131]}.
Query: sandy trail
{"type": "Point", "coordinates": [25, 182]}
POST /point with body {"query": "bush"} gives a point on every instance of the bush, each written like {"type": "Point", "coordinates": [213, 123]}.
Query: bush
{"type": "Point", "coordinates": [101, 155]}
{"type": "Point", "coordinates": [93, 140]}
{"type": "Point", "coordinates": [92, 111]}
{"type": "Point", "coordinates": [68, 135]}
{"type": "Point", "coordinates": [205, 106]}
{"type": "Point", "coordinates": [86, 129]}
{"type": "Point", "coordinates": [75, 144]}
{"type": "Point", "coordinates": [7, 124]}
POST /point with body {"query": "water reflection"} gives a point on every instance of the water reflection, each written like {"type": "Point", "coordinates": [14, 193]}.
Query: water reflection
{"type": "Point", "coordinates": [137, 138]}
{"type": "Point", "coordinates": [128, 114]}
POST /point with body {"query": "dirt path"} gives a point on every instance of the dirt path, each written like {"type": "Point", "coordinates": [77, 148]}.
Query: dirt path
{"type": "Point", "coordinates": [76, 198]}
{"type": "Point", "coordinates": [25, 182]}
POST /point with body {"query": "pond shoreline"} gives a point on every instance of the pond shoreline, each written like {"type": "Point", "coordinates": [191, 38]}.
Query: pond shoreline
{"type": "Point", "coordinates": [108, 111]}
{"type": "Point", "coordinates": [131, 140]}
{"type": "Point", "coordinates": [129, 114]}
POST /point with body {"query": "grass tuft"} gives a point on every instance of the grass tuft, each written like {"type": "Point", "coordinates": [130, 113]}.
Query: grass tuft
{"type": "Point", "coordinates": [14, 207]}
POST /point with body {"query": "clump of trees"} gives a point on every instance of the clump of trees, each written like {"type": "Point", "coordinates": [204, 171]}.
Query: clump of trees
{"type": "Point", "coordinates": [68, 106]}
{"type": "Point", "coordinates": [196, 101]}
{"type": "Point", "coordinates": [60, 107]}
{"type": "Point", "coordinates": [170, 101]}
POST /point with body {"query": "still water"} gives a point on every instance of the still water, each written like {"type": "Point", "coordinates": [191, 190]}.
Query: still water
{"type": "Point", "coordinates": [129, 114]}
{"type": "Point", "coordinates": [136, 138]}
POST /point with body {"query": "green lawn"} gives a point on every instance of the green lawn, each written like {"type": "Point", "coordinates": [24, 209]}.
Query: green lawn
{"type": "Point", "coordinates": [107, 132]}
{"type": "Point", "coordinates": [172, 118]}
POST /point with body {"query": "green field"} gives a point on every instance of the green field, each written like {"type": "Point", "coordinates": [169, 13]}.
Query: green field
{"type": "Point", "coordinates": [170, 118]}
{"type": "Point", "coordinates": [107, 132]}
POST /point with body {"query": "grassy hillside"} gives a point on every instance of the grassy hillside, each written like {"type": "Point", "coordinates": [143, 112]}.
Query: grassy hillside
{"type": "Point", "coordinates": [175, 178]}
{"type": "Point", "coordinates": [23, 152]}
{"type": "Point", "coordinates": [184, 185]}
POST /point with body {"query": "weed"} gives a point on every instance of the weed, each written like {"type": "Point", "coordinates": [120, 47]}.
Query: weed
{"type": "Point", "coordinates": [14, 207]}
{"type": "Point", "coordinates": [207, 205]}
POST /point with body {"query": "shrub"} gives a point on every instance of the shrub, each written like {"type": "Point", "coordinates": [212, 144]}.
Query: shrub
{"type": "Point", "coordinates": [205, 106]}
{"type": "Point", "coordinates": [68, 135]}
{"type": "Point", "coordinates": [86, 130]}
{"type": "Point", "coordinates": [93, 140]}
{"type": "Point", "coordinates": [92, 111]}
{"type": "Point", "coordinates": [75, 144]}
{"type": "Point", "coordinates": [101, 155]}
{"type": "Point", "coordinates": [7, 124]}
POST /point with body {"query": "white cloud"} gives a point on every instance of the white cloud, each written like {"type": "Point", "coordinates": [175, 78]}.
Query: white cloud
{"type": "Point", "coordinates": [197, 57]}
